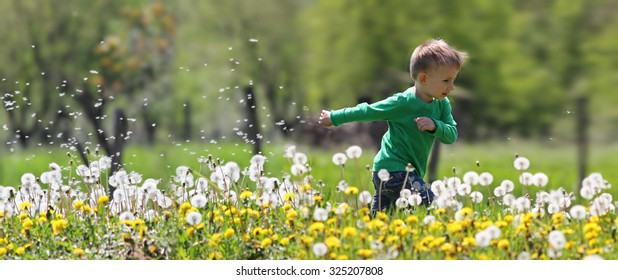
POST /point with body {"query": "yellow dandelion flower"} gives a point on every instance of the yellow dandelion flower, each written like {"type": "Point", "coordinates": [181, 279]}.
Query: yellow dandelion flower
{"type": "Point", "coordinates": [468, 241]}
{"type": "Point", "coordinates": [289, 196]}
{"type": "Point", "coordinates": [349, 232]}
{"type": "Point", "coordinates": [483, 257]}
{"type": "Point", "coordinates": [190, 231]}
{"type": "Point", "coordinates": [317, 198]}
{"type": "Point", "coordinates": [284, 241]}
{"type": "Point", "coordinates": [332, 242]}
{"type": "Point", "coordinates": [342, 257]}
{"type": "Point", "coordinates": [2, 214]}
{"type": "Point", "coordinates": [228, 233]}
{"type": "Point", "coordinates": [3, 251]}
{"type": "Point", "coordinates": [412, 220]}
{"type": "Point", "coordinates": [25, 205]}
{"type": "Point", "coordinates": [592, 242]}
{"type": "Point", "coordinates": [503, 244]}
{"type": "Point", "coordinates": [246, 237]}
{"type": "Point", "coordinates": [275, 237]}
{"type": "Point", "coordinates": [59, 225]}
{"type": "Point", "coordinates": [78, 205]}
{"type": "Point", "coordinates": [307, 240]}
{"type": "Point", "coordinates": [440, 211]}
{"type": "Point", "coordinates": [392, 239]}
{"type": "Point", "coordinates": [466, 212]}
{"type": "Point", "coordinates": [448, 248]}
{"type": "Point", "coordinates": [245, 194]}
{"type": "Point", "coordinates": [351, 191]}
{"type": "Point", "coordinates": [78, 252]}
{"type": "Point", "coordinates": [287, 206]}
{"type": "Point", "coordinates": [317, 227]}
{"type": "Point", "coordinates": [215, 239]}
{"type": "Point", "coordinates": [291, 215]}
{"type": "Point", "coordinates": [102, 200]}
{"type": "Point", "coordinates": [20, 250]}
{"type": "Point", "coordinates": [508, 218]}
{"type": "Point", "coordinates": [23, 216]}
{"type": "Point", "coordinates": [364, 253]}
{"type": "Point", "coordinates": [305, 187]}
{"type": "Point", "coordinates": [331, 221]}
{"type": "Point", "coordinates": [501, 224]}
{"type": "Point", "coordinates": [152, 249]}
{"type": "Point", "coordinates": [454, 227]}
{"type": "Point", "coordinates": [382, 216]}
{"type": "Point", "coordinates": [485, 224]}
{"type": "Point", "coordinates": [27, 223]}
{"type": "Point", "coordinates": [215, 256]}
{"type": "Point", "coordinates": [266, 242]}
{"type": "Point", "coordinates": [183, 208]}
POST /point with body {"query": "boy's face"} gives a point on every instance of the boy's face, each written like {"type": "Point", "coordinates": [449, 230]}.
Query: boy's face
{"type": "Point", "coordinates": [437, 83]}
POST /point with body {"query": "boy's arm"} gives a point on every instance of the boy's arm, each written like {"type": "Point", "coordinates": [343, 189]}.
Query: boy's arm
{"type": "Point", "coordinates": [446, 127]}
{"type": "Point", "coordinates": [381, 110]}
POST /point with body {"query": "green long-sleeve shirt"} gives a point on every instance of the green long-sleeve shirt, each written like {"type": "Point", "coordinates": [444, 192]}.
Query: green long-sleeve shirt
{"type": "Point", "coordinates": [403, 142]}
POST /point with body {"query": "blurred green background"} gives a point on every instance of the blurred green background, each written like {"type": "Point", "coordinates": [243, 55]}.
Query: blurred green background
{"type": "Point", "coordinates": [156, 84]}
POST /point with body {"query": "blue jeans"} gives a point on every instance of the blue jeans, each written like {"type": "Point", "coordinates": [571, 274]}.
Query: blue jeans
{"type": "Point", "coordinates": [388, 191]}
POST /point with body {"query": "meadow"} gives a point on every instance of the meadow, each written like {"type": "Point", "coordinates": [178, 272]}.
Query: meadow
{"type": "Point", "coordinates": [220, 202]}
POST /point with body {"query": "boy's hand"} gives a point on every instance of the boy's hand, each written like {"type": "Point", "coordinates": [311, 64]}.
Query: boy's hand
{"type": "Point", "coordinates": [425, 123]}
{"type": "Point", "coordinates": [325, 118]}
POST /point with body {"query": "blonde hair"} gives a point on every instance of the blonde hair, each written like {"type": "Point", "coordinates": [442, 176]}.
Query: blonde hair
{"type": "Point", "coordinates": [433, 53]}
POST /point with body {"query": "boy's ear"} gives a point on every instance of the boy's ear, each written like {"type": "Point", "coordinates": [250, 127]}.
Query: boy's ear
{"type": "Point", "coordinates": [422, 77]}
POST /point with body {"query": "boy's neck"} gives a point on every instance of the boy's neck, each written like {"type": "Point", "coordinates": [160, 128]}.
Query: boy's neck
{"type": "Point", "coordinates": [418, 92]}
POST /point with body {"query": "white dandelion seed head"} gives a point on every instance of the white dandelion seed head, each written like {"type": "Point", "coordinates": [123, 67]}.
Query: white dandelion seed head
{"type": "Point", "coordinates": [105, 162]}
{"type": "Point", "coordinates": [500, 191]}
{"type": "Point", "coordinates": [405, 193]}
{"type": "Point", "coordinates": [453, 182]}
{"type": "Point", "coordinates": [556, 239]}
{"type": "Point", "coordinates": [182, 171]}
{"type": "Point", "coordinates": [586, 192]}
{"type": "Point", "coordinates": [508, 199]}
{"type": "Point", "coordinates": [289, 151]}
{"type": "Point", "coordinates": [538, 210]}
{"type": "Point", "coordinates": [553, 208]}
{"type": "Point", "coordinates": [438, 187]}
{"type": "Point", "coordinates": [83, 171]}
{"type": "Point", "coordinates": [232, 170]}
{"type": "Point", "coordinates": [522, 204]}
{"type": "Point", "coordinates": [540, 179]}
{"type": "Point", "coordinates": [258, 160]}
{"type": "Point", "coordinates": [429, 219]}
{"type": "Point", "coordinates": [354, 151]}
{"type": "Point", "coordinates": [542, 197]}
{"type": "Point", "coordinates": [508, 184]}
{"type": "Point", "coordinates": [415, 199]}
{"type": "Point", "coordinates": [464, 189]}
{"type": "Point", "coordinates": [521, 163]}
{"type": "Point", "coordinates": [494, 231]}
{"type": "Point", "coordinates": [401, 203]}
{"type": "Point", "coordinates": [471, 178]}
{"type": "Point", "coordinates": [194, 218]}
{"type": "Point", "coordinates": [482, 238]}
{"type": "Point", "coordinates": [384, 175]}
{"type": "Point", "coordinates": [525, 178]}
{"type": "Point", "coordinates": [578, 212]}
{"type": "Point", "coordinates": [164, 201]}
{"type": "Point", "coordinates": [342, 186]}
{"type": "Point", "coordinates": [300, 158]}
{"type": "Point", "coordinates": [341, 208]}
{"type": "Point", "coordinates": [485, 178]}
{"type": "Point", "coordinates": [553, 253]}
{"type": "Point", "coordinates": [320, 214]}
{"type": "Point", "coordinates": [365, 197]}
{"type": "Point", "coordinates": [298, 169]}
{"type": "Point", "coordinates": [199, 201]}
{"type": "Point", "coordinates": [126, 216]}
{"type": "Point", "coordinates": [476, 197]}
{"type": "Point", "coordinates": [320, 249]}
{"type": "Point", "coordinates": [339, 159]}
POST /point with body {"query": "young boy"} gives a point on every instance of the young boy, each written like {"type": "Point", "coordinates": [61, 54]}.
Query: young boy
{"type": "Point", "coordinates": [415, 118]}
